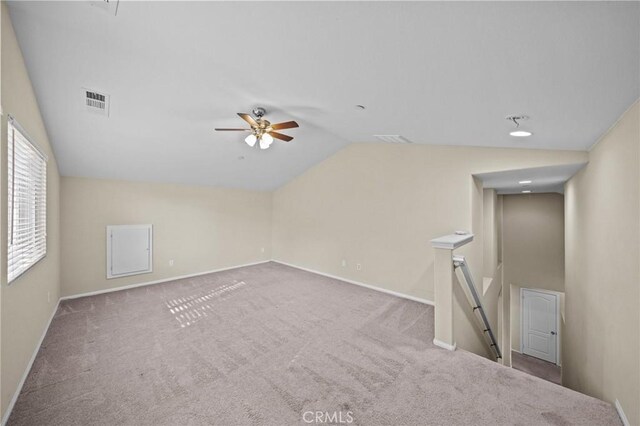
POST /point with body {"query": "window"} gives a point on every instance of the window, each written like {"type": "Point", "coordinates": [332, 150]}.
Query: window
{"type": "Point", "coordinates": [27, 190]}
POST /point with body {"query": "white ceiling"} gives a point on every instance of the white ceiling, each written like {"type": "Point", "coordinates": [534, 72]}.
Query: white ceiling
{"type": "Point", "coordinates": [434, 72]}
{"type": "Point", "coordinates": [543, 179]}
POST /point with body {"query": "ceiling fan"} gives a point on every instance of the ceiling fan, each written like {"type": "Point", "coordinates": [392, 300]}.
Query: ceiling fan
{"type": "Point", "coordinates": [261, 129]}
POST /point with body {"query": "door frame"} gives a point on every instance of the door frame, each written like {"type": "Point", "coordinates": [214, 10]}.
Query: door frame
{"type": "Point", "coordinates": [558, 331]}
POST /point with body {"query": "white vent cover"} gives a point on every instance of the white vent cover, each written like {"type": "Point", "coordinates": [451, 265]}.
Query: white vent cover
{"type": "Point", "coordinates": [96, 102]}
{"type": "Point", "coordinates": [392, 138]}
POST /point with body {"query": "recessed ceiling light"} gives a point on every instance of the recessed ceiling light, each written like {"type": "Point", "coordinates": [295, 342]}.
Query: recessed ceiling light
{"type": "Point", "coordinates": [518, 132]}
{"type": "Point", "coordinates": [526, 192]}
{"type": "Point", "coordinates": [524, 182]}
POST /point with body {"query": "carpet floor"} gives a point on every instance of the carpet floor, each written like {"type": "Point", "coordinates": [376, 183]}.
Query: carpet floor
{"type": "Point", "coordinates": [536, 367]}
{"type": "Point", "coordinates": [273, 345]}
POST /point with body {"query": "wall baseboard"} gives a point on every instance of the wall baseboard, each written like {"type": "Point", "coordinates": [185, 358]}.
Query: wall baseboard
{"type": "Point", "coordinates": [358, 283]}
{"type": "Point", "coordinates": [623, 416]}
{"type": "Point", "coordinates": [163, 280]}
{"type": "Point", "coordinates": [445, 345]}
{"type": "Point", "coordinates": [5, 418]}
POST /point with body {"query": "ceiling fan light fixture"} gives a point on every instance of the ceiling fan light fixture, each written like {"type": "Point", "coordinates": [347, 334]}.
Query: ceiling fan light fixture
{"type": "Point", "coordinates": [268, 138]}
{"type": "Point", "coordinates": [251, 140]}
{"type": "Point", "coordinates": [265, 141]}
{"type": "Point", "coordinates": [262, 130]}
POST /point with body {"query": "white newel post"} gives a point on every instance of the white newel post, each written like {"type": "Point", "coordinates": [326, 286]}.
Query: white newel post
{"type": "Point", "coordinates": [443, 287]}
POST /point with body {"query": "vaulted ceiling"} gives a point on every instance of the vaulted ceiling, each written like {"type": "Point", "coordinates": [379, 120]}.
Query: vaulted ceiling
{"type": "Point", "coordinates": [442, 73]}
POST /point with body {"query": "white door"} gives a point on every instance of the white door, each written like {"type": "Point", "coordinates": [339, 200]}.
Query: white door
{"type": "Point", "coordinates": [539, 324]}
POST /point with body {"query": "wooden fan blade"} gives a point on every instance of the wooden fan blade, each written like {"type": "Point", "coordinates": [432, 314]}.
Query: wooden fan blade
{"type": "Point", "coordinates": [248, 119]}
{"type": "Point", "coordinates": [232, 130]}
{"type": "Point", "coordinates": [280, 136]}
{"type": "Point", "coordinates": [286, 125]}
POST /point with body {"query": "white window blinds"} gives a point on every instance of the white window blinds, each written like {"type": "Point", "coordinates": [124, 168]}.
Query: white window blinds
{"type": "Point", "coordinates": [27, 189]}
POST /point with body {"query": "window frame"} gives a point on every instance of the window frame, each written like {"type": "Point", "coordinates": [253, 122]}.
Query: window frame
{"type": "Point", "coordinates": [12, 123]}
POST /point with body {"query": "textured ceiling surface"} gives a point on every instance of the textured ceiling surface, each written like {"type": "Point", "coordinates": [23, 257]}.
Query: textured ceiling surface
{"type": "Point", "coordinates": [443, 73]}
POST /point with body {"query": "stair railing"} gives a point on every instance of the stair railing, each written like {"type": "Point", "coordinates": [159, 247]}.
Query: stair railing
{"type": "Point", "coordinates": [460, 262]}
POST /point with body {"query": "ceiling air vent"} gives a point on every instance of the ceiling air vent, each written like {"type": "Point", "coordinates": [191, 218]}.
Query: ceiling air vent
{"type": "Point", "coordinates": [110, 6]}
{"type": "Point", "coordinates": [96, 102]}
{"type": "Point", "coordinates": [392, 138]}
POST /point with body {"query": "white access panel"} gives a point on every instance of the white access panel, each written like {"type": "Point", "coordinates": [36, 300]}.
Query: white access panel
{"type": "Point", "coordinates": [129, 250]}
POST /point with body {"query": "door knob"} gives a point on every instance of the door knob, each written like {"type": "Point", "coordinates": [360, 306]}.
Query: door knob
{"type": "Point", "coordinates": [553, 333]}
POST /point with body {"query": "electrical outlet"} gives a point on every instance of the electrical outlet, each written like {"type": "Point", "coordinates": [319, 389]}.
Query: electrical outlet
{"type": "Point", "coordinates": [344, 263]}
{"type": "Point", "coordinates": [262, 250]}
{"type": "Point", "coordinates": [358, 267]}
{"type": "Point", "coordinates": [171, 262]}
{"type": "Point", "coordinates": [48, 297]}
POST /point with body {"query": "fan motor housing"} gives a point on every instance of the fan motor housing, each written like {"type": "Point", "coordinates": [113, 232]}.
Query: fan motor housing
{"type": "Point", "coordinates": [259, 112]}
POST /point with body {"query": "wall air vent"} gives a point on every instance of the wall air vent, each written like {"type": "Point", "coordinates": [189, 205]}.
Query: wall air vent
{"type": "Point", "coordinates": [96, 102]}
{"type": "Point", "coordinates": [392, 138]}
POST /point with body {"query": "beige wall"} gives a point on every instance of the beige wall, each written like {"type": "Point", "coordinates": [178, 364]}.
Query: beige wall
{"type": "Point", "coordinates": [602, 206]}
{"type": "Point", "coordinates": [2, 180]}
{"type": "Point", "coordinates": [533, 248]}
{"type": "Point", "coordinates": [199, 228]}
{"type": "Point", "coordinates": [491, 286]}
{"type": "Point", "coordinates": [491, 232]}
{"type": "Point", "coordinates": [379, 205]}
{"type": "Point", "coordinates": [503, 338]}
{"type": "Point", "coordinates": [28, 303]}
{"type": "Point", "coordinates": [500, 227]}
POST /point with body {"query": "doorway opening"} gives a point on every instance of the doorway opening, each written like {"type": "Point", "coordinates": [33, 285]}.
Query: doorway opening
{"type": "Point", "coordinates": [539, 334]}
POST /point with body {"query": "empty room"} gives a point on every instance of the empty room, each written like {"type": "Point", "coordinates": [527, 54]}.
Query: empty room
{"type": "Point", "coordinates": [320, 213]}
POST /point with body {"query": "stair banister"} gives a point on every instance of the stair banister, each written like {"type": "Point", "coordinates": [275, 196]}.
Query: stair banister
{"type": "Point", "coordinates": [444, 280]}
{"type": "Point", "coordinates": [460, 262]}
